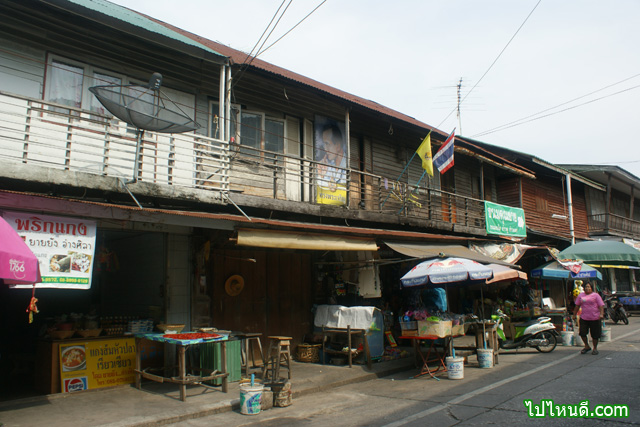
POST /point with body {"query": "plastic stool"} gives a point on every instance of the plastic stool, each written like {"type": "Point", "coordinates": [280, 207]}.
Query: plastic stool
{"type": "Point", "coordinates": [279, 354]}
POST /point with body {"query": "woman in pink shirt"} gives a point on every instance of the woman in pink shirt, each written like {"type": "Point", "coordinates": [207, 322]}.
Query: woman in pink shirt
{"type": "Point", "coordinates": [591, 317]}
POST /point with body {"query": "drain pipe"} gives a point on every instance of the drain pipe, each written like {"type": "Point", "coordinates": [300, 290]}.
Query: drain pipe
{"type": "Point", "coordinates": [569, 200]}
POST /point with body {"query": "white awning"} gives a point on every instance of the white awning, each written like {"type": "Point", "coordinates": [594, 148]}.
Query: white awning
{"type": "Point", "coordinates": [302, 240]}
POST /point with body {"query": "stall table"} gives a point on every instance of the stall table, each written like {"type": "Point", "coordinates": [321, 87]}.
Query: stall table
{"type": "Point", "coordinates": [426, 360]}
{"type": "Point", "coordinates": [348, 332]}
{"type": "Point", "coordinates": [183, 379]}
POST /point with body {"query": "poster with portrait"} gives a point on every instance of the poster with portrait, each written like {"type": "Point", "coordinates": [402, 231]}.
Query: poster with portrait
{"type": "Point", "coordinates": [331, 156]}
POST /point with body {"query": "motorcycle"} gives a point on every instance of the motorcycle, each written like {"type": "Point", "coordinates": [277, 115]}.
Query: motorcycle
{"type": "Point", "coordinates": [614, 309]}
{"type": "Point", "coordinates": [539, 333]}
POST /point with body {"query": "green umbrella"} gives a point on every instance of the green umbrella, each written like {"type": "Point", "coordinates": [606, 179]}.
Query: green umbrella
{"type": "Point", "coordinates": [603, 253]}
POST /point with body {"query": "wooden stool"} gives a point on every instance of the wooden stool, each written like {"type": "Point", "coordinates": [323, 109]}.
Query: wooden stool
{"type": "Point", "coordinates": [249, 342]}
{"type": "Point", "coordinates": [279, 354]}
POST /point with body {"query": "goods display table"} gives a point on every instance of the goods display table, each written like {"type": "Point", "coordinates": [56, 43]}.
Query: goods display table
{"type": "Point", "coordinates": [438, 358]}
{"type": "Point", "coordinates": [348, 332]}
{"type": "Point", "coordinates": [182, 342]}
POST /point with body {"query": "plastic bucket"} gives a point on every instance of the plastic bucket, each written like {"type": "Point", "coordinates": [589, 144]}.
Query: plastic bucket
{"type": "Point", "coordinates": [485, 357]}
{"type": "Point", "coordinates": [567, 338]}
{"type": "Point", "coordinates": [606, 335]}
{"type": "Point", "coordinates": [250, 399]}
{"type": "Point", "coordinates": [577, 339]}
{"type": "Point", "coordinates": [455, 367]}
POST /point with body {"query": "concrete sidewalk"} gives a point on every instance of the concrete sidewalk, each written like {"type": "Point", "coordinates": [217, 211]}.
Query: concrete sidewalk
{"type": "Point", "coordinates": [159, 404]}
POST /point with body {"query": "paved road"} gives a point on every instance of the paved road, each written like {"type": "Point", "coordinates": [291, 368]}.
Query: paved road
{"type": "Point", "coordinates": [484, 396]}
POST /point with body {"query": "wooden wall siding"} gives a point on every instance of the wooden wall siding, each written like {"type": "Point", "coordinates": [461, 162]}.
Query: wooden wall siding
{"type": "Point", "coordinates": [542, 199]}
{"type": "Point", "coordinates": [508, 192]}
{"type": "Point", "coordinates": [277, 295]}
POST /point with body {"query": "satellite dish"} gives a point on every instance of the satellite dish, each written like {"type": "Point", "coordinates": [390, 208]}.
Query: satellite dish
{"type": "Point", "coordinates": [145, 107]}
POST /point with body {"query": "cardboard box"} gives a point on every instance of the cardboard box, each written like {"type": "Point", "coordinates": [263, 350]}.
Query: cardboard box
{"type": "Point", "coordinates": [458, 330]}
{"type": "Point", "coordinates": [409, 328]}
{"type": "Point", "coordinates": [439, 329]}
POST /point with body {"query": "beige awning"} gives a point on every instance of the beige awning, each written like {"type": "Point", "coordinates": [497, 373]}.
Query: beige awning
{"type": "Point", "coordinates": [502, 272]}
{"type": "Point", "coordinates": [302, 240]}
{"type": "Point", "coordinates": [419, 250]}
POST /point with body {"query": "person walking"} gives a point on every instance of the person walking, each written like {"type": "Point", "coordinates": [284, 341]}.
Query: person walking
{"type": "Point", "coordinates": [591, 318]}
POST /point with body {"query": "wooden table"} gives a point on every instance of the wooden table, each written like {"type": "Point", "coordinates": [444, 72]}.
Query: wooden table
{"type": "Point", "coordinates": [427, 359]}
{"type": "Point", "coordinates": [348, 332]}
{"type": "Point", "coordinates": [182, 379]}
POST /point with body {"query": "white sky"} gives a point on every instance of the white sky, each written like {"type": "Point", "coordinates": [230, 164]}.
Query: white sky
{"type": "Point", "coordinates": [410, 56]}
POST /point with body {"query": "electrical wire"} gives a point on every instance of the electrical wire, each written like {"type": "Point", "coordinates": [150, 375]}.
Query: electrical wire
{"type": "Point", "coordinates": [561, 111]}
{"type": "Point", "coordinates": [525, 119]}
{"type": "Point", "coordinates": [494, 61]}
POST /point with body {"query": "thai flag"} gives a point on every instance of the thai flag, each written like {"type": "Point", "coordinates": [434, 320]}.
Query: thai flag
{"type": "Point", "coordinates": [443, 159]}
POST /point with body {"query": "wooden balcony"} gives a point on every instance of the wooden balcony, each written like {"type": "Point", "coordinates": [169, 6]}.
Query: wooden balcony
{"type": "Point", "coordinates": [603, 223]}
{"type": "Point", "coordinates": [51, 136]}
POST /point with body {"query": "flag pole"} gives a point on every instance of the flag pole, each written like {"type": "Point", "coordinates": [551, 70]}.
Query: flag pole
{"type": "Point", "coordinates": [419, 181]}
{"type": "Point", "coordinates": [397, 179]}
{"type": "Point", "coordinates": [405, 169]}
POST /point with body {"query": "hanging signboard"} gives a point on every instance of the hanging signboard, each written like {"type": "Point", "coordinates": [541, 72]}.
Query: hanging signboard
{"type": "Point", "coordinates": [95, 364]}
{"type": "Point", "coordinates": [504, 220]}
{"type": "Point", "coordinates": [65, 248]}
{"type": "Point", "coordinates": [331, 154]}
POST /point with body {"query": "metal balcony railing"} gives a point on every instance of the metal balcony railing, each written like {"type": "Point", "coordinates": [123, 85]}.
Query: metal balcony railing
{"type": "Point", "coordinates": [40, 133]}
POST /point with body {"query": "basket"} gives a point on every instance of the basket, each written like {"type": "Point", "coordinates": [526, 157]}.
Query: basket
{"type": "Point", "coordinates": [88, 333]}
{"type": "Point", "coordinates": [61, 335]}
{"type": "Point", "coordinates": [170, 328]}
{"type": "Point", "coordinates": [309, 353]}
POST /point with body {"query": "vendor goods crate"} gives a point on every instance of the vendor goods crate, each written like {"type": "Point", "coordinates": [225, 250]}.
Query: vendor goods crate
{"type": "Point", "coordinates": [440, 328]}
{"type": "Point", "coordinates": [409, 328]}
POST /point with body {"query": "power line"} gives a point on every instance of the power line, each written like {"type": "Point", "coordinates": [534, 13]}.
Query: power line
{"type": "Point", "coordinates": [518, 123]}
{"type": "Point", "coordinates": [525, 119]}
{"type": "Point", "coordinates": [495, 60]}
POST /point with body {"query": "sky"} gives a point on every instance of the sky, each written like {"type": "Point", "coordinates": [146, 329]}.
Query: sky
{"type": "Point", "coordinates": [559, 80]}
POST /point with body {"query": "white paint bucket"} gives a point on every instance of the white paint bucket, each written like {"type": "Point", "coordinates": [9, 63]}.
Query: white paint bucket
{"type": "Point", "coordinates": [485, 357]}
{"type": "Point", "coordinates": [567, 338]}
{"type": "Point", "coordinates": [250, 399]}
{"type": "Point", "coordinates": [606, 335]}
{"type": "Point", "coordinates": [455, 367]}
{"type": "Point", "coordinates": [577, 339]}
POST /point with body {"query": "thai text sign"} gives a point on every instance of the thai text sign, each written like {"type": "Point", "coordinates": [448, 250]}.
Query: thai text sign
{"type": "Point", "coordinates": [504, 220]}
{"type": "Point", "coordinates": [65, 248]}
{"type": "Point", "coordinates": [95, 364]}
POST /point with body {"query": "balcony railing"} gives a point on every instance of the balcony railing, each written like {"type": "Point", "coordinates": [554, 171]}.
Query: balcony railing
{"type": "Point", "coordinates": [39, 133]}
{"type": "Point", "coordinates": [616, 225]}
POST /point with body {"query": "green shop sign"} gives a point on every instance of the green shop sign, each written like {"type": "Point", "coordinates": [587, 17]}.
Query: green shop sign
{"type": "Point", "coordinates": [504, 220]}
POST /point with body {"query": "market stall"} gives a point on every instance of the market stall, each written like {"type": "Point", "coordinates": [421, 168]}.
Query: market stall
{"type": "Point", "coordinates": [182, 342]}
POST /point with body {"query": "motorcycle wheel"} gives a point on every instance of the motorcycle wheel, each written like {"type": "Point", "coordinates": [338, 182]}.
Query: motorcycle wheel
{"type": "Point", "coordinates": [549, 337]}
{"type": "Point", "coordinates": [623, 316]}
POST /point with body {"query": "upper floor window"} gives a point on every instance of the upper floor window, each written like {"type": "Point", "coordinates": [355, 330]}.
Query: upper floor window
{"type": "Point", "coordinates": [252, 133]}
{"type": "Point", "coordinates": [68, 83]}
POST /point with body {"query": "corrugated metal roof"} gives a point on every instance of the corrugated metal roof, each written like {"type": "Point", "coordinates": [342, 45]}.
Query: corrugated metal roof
{"type": "Point", "coordinates": [239, 57]}
{"type": "Point", "coordinates": [136, 19]}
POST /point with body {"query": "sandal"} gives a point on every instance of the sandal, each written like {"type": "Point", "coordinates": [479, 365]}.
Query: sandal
{"type": "Point", "coordinates": [585, 350]}
{"type": "Point", "coordinates": [594, 352]}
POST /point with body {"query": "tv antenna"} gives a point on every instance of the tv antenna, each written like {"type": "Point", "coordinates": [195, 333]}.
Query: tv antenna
{"type": "Point", "coordinates": [146, 108]}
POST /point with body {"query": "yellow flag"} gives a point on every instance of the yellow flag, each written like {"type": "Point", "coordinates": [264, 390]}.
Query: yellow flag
{"type": "Point", "coordinates": [424, 151]}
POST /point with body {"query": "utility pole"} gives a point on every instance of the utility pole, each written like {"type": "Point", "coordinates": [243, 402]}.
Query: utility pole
{"type": "Point", "coordinates": [459, 102]}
